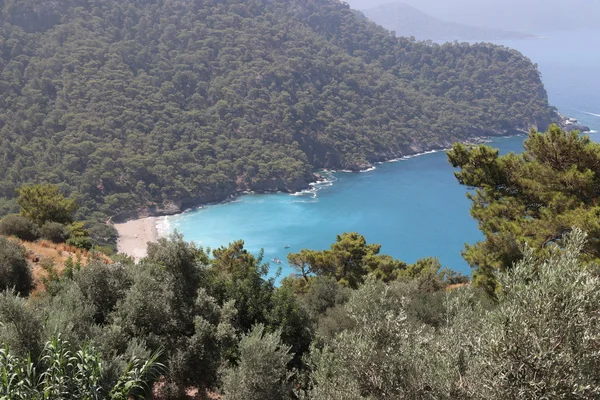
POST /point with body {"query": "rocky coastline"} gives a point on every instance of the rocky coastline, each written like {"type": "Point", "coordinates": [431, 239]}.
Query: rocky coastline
{"type": "Point", "coordinates": [178, 206]}
{"type": "Point", "coordinates": [571, 124]}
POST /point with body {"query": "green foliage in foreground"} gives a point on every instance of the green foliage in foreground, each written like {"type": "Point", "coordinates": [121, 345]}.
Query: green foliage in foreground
{"type": "Point", "coordinates": [61, 373]}
{"type": "Point", "coordinates": [14, 270]}
{"type": "Point", "coordinates": [540, 340]}
{"type": "Point", "coordinates": [224, 328]}
{"type": "Point", "coordinates": [128, 103]}
{"type": "Point", "coordinates": [533, 197]}
{"type": "Point", "coordinates": [261, 372]}
{"type": "Point", "coordinates": [20, 227]}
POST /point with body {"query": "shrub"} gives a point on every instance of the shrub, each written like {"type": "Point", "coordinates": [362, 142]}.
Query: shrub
{"type": "Point", "coordinates": [82, 242]}
{"type": "Point", "coordinates": [19, 226]}
{"type": "Point", "coordinates": [323, 294]}
{"type": "Point", "coordinates": [22, 325]}
{"type": "Point", "coordinates": [539, 339]}
{"type": "Point", "coordinates": [542, 340]}
{"type": "Point", "coordinates": [378, 356]}
{"type": "Point", "coordinates": [261, 372]}
{"type": "Point", "coordinates": [103, 234]}
{"type": "Point", "coordinates": [14, 270]}
{"type": "Point", "coordinates": [103, 286]}
{"type": "Point", "coordinates": [62, 373]}
{"type": "Point", "coordinates": [54, 232]}
{"type": "Point", "coordinates": [69, 313]}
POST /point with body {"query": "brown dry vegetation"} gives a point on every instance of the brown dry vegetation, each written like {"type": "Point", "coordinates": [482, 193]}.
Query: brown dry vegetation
{"type": "Point", "coordinates": [190, 393]}
{"type": "Point", "coordinates": [456, 286]}
{"type": "Point", "coordinates": [58, 253]}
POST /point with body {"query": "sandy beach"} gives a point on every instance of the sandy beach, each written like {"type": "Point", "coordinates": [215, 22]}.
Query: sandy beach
{"type": "Point", "coordinates": [134, 236]}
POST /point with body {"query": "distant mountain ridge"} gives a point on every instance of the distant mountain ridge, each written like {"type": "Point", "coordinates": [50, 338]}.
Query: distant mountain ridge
{"type": "Point", "coordinates": [407, 20]}
{"type": "Point", "coordinates": [531, 16]}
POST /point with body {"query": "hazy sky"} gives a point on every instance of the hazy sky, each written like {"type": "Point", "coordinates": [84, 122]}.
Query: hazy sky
{"type": "Point", "coordinates": [526, 15]}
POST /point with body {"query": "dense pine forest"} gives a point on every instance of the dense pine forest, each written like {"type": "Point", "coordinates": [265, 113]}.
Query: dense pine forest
{"type": "Point", "coordinates": [133, 103]}
{"type": "Point", "coordinates": [113, 106]}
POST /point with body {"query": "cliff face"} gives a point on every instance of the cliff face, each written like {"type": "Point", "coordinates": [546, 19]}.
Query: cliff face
{"type": "Point", "coordinates": [133, 104]}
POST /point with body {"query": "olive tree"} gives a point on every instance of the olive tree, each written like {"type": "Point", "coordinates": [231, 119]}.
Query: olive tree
{"type": "Point", "coordinates": [543, 338]}
{"type": "Point", "coordinates": [14, 270]}
{"type": "Point", "coordinates": [21, 326]}
{"type": "Point", "coordinates": [379, 355]}
{"type": "Point", "coordinates": [538, 339]}
{"type": "Point", "coordinates": [261, 372]}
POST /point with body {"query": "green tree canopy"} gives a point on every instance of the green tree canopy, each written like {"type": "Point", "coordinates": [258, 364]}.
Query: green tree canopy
{"type": "Point", "coordinates": [130, 103]}
{"type": "Point", "coordinates": [410, 338]}
{"type": "Point", "coordinates": [539, 340]}
{"type": "Point", "coordinates": [43, 203]}
{"type": "Point", "coordinates": [350, 260]}
{"type": "Point", "coordinates": [14, 270]}
{"type": "Point", "coordinates": [238, 275]}
{"type": "Point", "coordinates": [261, 372]}
{"type": "Point", "coordinates": [530, 198]}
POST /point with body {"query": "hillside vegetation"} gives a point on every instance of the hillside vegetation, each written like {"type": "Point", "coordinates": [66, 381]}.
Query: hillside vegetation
{"type": "Point", "coordinates": [531, 198]}
{"type": "Point", "coordinates": [132, 103]}
{"type": "Point", "coordinates": [215, 324]}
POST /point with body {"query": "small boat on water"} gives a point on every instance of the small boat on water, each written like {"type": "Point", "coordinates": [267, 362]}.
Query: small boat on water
{"type": "Point", "coordinates": [276, 261]}
{"type": "Point", "coordinates": [287, 246]}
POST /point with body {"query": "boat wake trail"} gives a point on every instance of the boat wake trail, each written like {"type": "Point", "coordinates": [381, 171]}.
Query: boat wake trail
{"type": "Point", "coordinates": [592, 114]}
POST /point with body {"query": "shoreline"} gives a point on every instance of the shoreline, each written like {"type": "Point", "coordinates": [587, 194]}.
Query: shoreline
{"type": "Point", "coordinates": [135, 234]}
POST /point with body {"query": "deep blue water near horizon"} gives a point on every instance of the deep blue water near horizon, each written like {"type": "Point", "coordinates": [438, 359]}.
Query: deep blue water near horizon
{"type": "Point", "coordinates": [414, 208]}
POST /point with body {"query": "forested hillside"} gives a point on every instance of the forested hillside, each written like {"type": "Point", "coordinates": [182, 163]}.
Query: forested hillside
{"type": "Point", "coordinates": [135, 103]}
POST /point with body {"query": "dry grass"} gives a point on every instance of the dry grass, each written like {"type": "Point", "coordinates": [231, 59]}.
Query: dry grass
{"type": "Point", "coordinates": [456, 286]}
{"type": "Point", "coordinates": [58, 253]}
{"type": "Point", "coordinates": [191, 393]}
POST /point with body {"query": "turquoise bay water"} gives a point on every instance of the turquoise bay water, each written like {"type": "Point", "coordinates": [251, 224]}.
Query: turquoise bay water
{"type": "Point", "coordinates": [414, 208]}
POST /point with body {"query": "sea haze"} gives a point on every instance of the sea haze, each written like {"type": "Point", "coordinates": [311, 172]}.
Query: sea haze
{"type": "Point", "coordinates": [413, 207]}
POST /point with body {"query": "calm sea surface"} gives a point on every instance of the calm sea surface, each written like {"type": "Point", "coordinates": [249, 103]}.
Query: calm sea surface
{"type": "Point", "coordinates": [414, 208]}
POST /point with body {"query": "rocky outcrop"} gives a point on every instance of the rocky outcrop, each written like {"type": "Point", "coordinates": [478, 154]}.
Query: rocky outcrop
{"type": "Point", "coordinates": [357, 166]}
{"type": "Point", "coordinates": [571, 124]}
